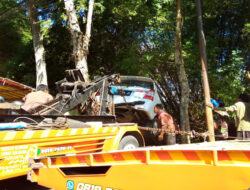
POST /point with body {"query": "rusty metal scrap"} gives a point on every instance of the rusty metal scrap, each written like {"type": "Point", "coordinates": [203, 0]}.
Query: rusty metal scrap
{"type": "Point", "coordinates": [91, 107]}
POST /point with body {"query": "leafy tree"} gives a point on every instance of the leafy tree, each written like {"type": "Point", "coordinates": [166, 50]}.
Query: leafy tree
{"type": "Point", "coordinates": [136, 37]}
{"type": "Point", "coordinates": [16, 43]}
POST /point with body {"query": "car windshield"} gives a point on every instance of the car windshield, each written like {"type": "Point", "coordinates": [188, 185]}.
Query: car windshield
{"type": "Point", "coordinates": [143, 84]}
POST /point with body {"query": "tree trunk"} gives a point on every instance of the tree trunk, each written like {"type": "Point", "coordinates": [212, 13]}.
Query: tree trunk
{"type": "Point", "coordinates": [41, 74]}
{"type": "Point", "coordinates": [248, 76]}
{"type": "Point", "coordinates": [80, 42]}
{"type": "Point", "coordinates": [88, 28]}
{"type": "Point", "coordinates": [184, 117]}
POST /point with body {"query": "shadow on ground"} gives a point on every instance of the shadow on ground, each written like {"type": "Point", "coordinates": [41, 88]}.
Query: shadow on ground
{"type": "Point", "coordinates": [20, 183]}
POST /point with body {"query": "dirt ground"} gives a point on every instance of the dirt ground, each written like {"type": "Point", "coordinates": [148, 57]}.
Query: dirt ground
{"type": "Point", "coordinates": [20, 183]}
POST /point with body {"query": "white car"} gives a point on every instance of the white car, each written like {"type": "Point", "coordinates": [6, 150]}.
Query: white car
{"type": "Point", "coordinates": [139, 92]}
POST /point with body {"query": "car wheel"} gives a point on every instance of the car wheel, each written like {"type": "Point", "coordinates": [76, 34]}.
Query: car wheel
{"type": "Point", "coordinates": [153, 124]}
{"type": "Point", "coordinates": [128, 142]}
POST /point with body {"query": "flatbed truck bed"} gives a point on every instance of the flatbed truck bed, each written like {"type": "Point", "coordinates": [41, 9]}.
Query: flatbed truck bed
{"type": "Point", "coordinates": [206, 166]}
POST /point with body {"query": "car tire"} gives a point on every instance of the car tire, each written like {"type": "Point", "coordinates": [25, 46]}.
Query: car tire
{"type": "Point", "coordinates": [128, 143]}
{"type": "Point", "coordinates": [154, 125]}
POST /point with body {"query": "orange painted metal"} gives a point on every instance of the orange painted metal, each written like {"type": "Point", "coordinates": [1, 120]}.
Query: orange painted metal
{"type": "Point", "coordinates": [16, 147]}
{"type": "Point", "coordinates": [165, 167]}
{"type": "Point", "coordinates": [12, 90]}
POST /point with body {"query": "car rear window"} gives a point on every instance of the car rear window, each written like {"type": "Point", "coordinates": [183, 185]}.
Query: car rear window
{"type": "Point", "coordinates": [143, 84]}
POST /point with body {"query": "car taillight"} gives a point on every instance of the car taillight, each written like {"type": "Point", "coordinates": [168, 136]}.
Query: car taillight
{"type": "Point", "coordinates": [149, 95]}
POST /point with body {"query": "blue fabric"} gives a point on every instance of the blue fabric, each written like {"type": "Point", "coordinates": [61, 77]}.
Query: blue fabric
{"type": "Point", "coordinates": [113, 90]}
{"type": "Point", "coordinates": [214, 102]}
{"type": "Point", "coordinates": [12, 125]}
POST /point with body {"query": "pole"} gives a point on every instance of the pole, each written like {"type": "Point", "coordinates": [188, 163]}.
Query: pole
{"type": "Point", "coordinates": [202, 45]}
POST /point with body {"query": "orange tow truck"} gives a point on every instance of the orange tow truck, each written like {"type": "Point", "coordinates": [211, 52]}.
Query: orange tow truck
{"type": "Point", "coordinates": [206, 166]}
{"type": "Point", "coordinates": [43, 135]}
{"type": "Point", "coordinates": [17, 146]}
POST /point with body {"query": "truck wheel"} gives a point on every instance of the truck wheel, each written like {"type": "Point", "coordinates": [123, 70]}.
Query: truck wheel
{"type": "Point", "coordinates": [128, 142]}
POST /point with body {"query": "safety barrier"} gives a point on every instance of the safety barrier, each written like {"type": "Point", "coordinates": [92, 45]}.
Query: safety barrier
{"type": "Point", "coordinates": [6, 136]}
{"type": "Point", "coordinates": [156, 156]}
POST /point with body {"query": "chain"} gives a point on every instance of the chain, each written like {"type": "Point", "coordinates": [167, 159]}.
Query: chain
{"type": "Point", "coordinates": [192, 133]}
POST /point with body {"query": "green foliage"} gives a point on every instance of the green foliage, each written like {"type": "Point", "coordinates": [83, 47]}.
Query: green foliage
{"type": "Point", "coordinates": [136, 37]}
{"type": "Point", "coordinates": [16, 42]}
{"type": "Point", "coordinates": [231, 76]}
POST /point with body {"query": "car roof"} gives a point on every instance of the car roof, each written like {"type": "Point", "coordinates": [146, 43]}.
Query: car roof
{"type": "Point", "coordinates": [139, 78]}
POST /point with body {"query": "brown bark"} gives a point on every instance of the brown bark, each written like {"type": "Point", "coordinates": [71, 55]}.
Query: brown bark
{"type": "Point", "coordinates": [41, 74]}
{"type": "Point", "coordinates": [248, 76]}
{"type": "Point", "coordinates": [206, 89]}
{"type": "Point", "coordinates": [184, 86]}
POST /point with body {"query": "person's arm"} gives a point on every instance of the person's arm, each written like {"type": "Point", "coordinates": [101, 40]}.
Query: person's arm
{"type": "Point", "coordinates": [232, 108]}
{"type": "Point", "coordinates": [161, 135]}
{"type": "Point", "coordinates": [49, 98]}
{"type": "Point", "coordinates": [24, 98]}
{"type": "Point", "coordinates": [161, 121]}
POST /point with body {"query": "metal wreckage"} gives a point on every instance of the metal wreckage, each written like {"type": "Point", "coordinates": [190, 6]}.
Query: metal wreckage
{"type": "Point", "coordinates": [93, 151]}
{"type": "Point", "coordinates": [47, 131]}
